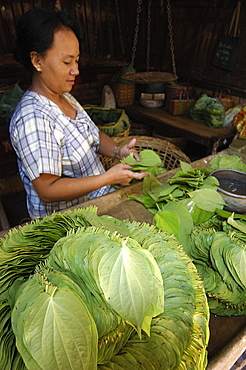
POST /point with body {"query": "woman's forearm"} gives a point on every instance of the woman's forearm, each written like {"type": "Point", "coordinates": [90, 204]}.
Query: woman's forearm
{"type": "Point", "coordinates": [107, 145]}
{"type": "Point", "coordinates": [51, 188]}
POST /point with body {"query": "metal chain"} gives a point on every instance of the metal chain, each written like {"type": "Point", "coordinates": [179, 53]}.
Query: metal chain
{"type": "Point", "coordinates": [170, 28]}
{"type": "Point", "coordinates": [148, 35]}
{"type": "Point", "coordinates": [136, 33]}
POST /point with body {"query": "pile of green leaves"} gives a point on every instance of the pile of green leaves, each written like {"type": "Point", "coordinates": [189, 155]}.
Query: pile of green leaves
{"type": "Point", "coordinates": [233, 162]}
{"type": "Point", "coordinates": [112, 122]}
{"type": "Point", "coordinates": [192, 186]}
{"type": "Point", "coordinates": [80, 291]}
{"type": "Point", "coordinates": [149, 161]}
{"type": "Point", "coordinates": [189, 207]}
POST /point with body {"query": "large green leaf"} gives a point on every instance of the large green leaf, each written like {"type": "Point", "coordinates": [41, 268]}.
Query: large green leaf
{"type": "Point", "coordinates": [207, 199]}
{"type": "Point", "coordinates": [175, 219]}
{"type": "Point", "coordinates": [132, 284]}
{"type": "Point", "coordinates": [53, 327]}
{"type": "Point", "coordinates": [168, 222]}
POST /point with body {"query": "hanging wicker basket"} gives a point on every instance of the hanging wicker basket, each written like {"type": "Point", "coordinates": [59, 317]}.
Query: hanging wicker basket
{"type": "Point", "coordinates": [124, 94]}
{"type": "Point", "coordinates": [168, 152]}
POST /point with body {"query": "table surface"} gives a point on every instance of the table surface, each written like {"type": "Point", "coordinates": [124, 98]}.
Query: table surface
{"type": "Point", "coordinates": [183, 126]}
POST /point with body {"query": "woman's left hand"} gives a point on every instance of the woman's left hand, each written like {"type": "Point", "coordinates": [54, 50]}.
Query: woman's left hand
{"type": "Point", "coordinates": [125, 150]}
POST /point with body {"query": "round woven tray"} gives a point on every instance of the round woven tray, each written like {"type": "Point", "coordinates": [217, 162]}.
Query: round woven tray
{"type": "Point", "coordinates": [168, 152]}
{"type": "Point", "coordinates": [150, 77]}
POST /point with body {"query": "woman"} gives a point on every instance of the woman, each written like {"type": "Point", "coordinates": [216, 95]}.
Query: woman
{"type": "Point", "coordinates": [55, 140]}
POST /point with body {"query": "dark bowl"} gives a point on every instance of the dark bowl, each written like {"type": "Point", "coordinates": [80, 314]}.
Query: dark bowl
{"type": "Point", "coordinates": [232, 187]}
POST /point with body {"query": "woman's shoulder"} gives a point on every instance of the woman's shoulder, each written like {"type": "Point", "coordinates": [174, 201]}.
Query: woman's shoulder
{"type": "Point", "coordinates": [32, 108]}
{"type": "Point", "coordinates": [29, 100]}
{"type": "Point", "coordinates": [34, 103]}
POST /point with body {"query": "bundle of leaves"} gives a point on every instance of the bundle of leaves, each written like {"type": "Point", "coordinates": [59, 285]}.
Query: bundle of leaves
{"type": "Point", "coordinates": [80, 291]}
{"type": "Point", "coordinates": [149, 161]}
{"type": "Point", "coordinates": [219, 254]}
{"type": "Point", "coordinates": [189, 207]}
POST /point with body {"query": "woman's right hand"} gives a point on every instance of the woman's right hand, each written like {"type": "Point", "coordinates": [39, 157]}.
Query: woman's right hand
{"type": "Point", "coordinates": [121, 174]}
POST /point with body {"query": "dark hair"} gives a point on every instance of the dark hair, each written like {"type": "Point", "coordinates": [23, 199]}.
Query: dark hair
{"type": "Point", "coordinates": [35, 32]}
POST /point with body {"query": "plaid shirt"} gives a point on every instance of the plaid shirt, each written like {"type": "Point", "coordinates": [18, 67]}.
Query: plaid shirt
{"type": "Point", "coordinates": [47, 141]}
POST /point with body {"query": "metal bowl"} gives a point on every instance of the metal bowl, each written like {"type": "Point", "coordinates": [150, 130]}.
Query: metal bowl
{"type": "Point", "coordinates": [232, 187]}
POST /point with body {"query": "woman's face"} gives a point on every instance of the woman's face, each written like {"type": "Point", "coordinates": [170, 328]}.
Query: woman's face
{"type": "Point", "coordinates": [59, 65]}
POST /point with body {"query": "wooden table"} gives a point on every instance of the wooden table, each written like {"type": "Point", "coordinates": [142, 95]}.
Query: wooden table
{"type": "Point", "coordinates": [181, 126]}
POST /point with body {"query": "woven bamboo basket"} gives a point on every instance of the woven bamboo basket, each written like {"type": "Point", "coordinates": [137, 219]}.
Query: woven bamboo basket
{"type": "Point", "coordinates": [168, 152]}
{"type": "Point", "coordinates": [124, 94]}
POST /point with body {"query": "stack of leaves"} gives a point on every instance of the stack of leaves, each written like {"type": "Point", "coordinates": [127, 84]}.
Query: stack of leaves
{"type": "Point", "coordinates": [76, 294]}
{"type": "Point", "coordinates": [149, 161]}
{"type": "Point", "coordinates": [193, 213]}
{"type": "Point", "coordinates": [220, 258]}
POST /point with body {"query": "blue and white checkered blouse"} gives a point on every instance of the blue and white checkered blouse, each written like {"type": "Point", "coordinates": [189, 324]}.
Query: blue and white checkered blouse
{"type": "Point", "coordinates": [47, 141]}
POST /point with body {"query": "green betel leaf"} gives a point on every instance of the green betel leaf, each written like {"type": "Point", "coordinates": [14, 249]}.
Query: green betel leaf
{"type": "Point", "coordinates": [240, 224]}
{"type": "Point", "coordinates": [168, 222]}
{"type": "Point", "coordinates": [185, 167]}
{"type": "Point", "coordinates": [132, 284]}
{"type": "Point", "coordinates": [148, 158]}
{"type": "Point", "coordinates": [150, 183]}
{"type": "Point", "coordinates": [198, 215]}
{"type": "Point", "coordinates": [185, 220]}
{"type": "Point", "coordinates": [236, 261]}
{"type": "Point", "coordinates": [54, 328]}
{"type": "Point", "coordinates": [207, 199]}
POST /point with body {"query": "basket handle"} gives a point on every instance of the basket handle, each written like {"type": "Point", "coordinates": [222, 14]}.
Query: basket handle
{"type": "Point", "coordinates": [183, 93]}
{"type": "Point", "coordinates": [222, 93]}
{"type": "Point", "coordinates": [235, 20]}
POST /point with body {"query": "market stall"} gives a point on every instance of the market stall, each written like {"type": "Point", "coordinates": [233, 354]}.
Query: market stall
{"type": "Point", "coordinates": [227, 334]}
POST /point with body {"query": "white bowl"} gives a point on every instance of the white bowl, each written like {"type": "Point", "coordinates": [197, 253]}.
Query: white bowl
{"type": "Point", "coordinates": [149, 103]}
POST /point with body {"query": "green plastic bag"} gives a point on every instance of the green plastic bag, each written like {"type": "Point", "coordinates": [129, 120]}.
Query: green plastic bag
{"type": "Point", "coordinates": [208, 110]}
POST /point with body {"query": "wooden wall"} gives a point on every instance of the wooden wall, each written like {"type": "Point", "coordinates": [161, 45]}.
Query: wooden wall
{"type": "Point", "coordinates": [109, 27]}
